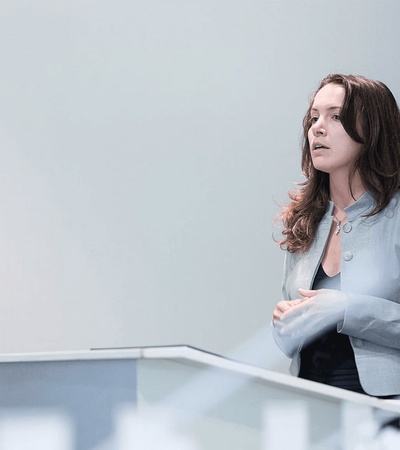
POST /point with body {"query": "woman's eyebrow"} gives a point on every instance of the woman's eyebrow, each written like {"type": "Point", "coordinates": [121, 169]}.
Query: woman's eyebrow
{"type": "Point", "coordinates": [330, 108]}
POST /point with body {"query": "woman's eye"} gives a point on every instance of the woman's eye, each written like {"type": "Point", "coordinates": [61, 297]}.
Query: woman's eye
{"type": "Point", "coordinates": [336, 117]}
{"type": "Point", "coordinates": [314, 119]}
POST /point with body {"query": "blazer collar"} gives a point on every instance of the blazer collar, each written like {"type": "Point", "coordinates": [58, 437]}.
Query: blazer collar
{"type": "Point", "coordinates": [363, 205]}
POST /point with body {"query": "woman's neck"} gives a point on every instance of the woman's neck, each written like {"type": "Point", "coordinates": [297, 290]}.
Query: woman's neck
{"type": "Point", "coordinates": [342, 194]}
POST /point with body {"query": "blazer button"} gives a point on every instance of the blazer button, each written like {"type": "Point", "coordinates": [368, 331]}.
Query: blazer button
{"type": "Point", "coordinates": [347, 256]}
{"type": "Point", "coordinates": [347, 227]}
{"type": "Point", "coordinates": [358, 342]}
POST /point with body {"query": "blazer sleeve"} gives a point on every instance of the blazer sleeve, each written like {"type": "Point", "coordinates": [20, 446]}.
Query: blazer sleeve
{"type": "Point", "coordinates": [288, 345]}
{"type": "Point", "coordinates": [373, 319]}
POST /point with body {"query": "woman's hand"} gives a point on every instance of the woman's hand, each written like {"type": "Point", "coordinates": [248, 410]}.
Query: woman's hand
{"type": "Point", "coordinates": [317, 311]}
{"type": "Point", "coordinates": [282, 307]}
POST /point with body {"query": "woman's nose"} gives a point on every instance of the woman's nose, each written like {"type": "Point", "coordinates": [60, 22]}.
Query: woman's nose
{"type": "Point", "coordinates": [318, 128]}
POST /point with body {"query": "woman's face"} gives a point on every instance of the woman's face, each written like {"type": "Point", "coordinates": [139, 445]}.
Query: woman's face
{"type": "Point", "coordinates": [332, 150]}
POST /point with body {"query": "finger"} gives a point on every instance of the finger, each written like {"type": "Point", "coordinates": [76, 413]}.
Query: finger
{"type": "Point", "coordinates": [307, 292]}
{"type": "Point", "coordinates": [282, 307]}
{"type": "Point", "coordinates": [297, 310]}
{"type": "Point", "coordinates": [278, 312]}
{"type": "Point", "coordinates": [296, 302]}
{"type": "Point", "coordinates": [285, 305]}
{"type": "Point", "coordinates": [276, 315]}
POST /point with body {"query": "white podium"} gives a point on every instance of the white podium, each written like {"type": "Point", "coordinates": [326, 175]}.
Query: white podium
{"type": "Point", "coordinates": [170, 398]}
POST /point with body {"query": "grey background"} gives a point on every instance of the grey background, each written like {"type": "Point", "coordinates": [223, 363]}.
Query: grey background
{"type": "Point", "coordinates": [144, 147]}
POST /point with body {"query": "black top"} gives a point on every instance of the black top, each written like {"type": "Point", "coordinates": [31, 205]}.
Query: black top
{"type": "Point", "coordinates": [331, 352]}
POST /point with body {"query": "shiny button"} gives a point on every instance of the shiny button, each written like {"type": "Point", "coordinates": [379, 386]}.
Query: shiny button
{"type": "Point", "coordinates": [358, 342]}
{"type": "Point", "coordinates": [347, 256]}
{"type": "Point", "coordinates": [347, 227]}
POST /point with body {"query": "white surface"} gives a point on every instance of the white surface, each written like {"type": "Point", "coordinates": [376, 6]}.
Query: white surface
{"type": "Point", "coordinates": [196, 356]}
{"type": "Point", "coordinates": [173, 395]}
{"type": "Point", "coordinates": [276, 415]}
{"type": "Point", "coordinates": [36, 430]}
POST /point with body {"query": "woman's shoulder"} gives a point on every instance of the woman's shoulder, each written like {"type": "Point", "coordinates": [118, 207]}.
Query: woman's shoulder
{"type": "Point", "coordinates": [396, 197]}
{"type": "Point", "coordinates": [393, 206]}
{"type": "Point", "coordinates": [390, 215]}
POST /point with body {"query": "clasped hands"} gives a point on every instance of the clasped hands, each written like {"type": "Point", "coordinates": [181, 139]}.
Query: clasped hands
{"type": "Point", "coordinates": [306, 317]}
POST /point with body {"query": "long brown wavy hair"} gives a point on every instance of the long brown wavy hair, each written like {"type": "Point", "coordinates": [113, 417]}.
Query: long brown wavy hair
{"type": "Point", "coordinates": [368, 106]}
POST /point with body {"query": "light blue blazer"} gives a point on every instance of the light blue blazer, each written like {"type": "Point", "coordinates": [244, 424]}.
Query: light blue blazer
{"type": "Point", "coordinates": [370, 276]}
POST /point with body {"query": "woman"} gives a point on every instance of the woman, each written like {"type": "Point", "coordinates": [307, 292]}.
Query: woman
{"type": "Point", "coordinates": [339, 319]}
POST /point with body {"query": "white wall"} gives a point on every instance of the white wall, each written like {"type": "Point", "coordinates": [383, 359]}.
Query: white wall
{"type": "Point", "coordinates": [144, 145]}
